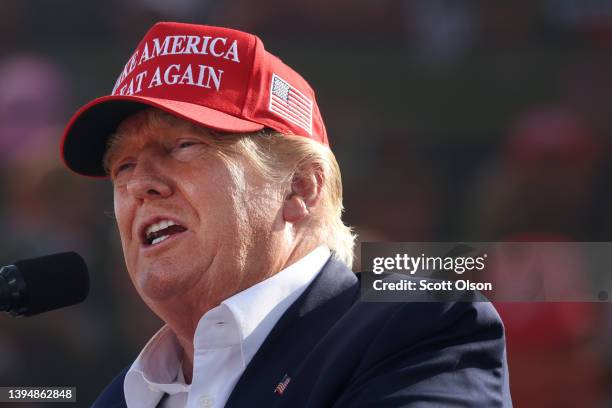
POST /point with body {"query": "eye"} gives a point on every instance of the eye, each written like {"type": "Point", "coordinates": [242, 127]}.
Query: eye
{"type": "Point", "coordinates": [185, 150]}
{"type": "Point", "coordinates": [122, 167]}
{"type": "Point", "coordinates": [186, 143]}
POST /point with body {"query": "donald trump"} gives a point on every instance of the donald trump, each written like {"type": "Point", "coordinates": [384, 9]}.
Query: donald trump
{"type": "Point", "coordinates": [228, 202]}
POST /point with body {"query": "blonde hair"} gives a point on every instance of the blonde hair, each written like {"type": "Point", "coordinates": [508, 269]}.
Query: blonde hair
{"type": "Point", "coordinates": [279, 159]}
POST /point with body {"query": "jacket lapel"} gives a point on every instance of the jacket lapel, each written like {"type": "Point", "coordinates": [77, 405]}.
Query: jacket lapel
{"type": "Point", "coordinates": [112, 396]}
{"type": "Point", "coordinates": [333, 291]}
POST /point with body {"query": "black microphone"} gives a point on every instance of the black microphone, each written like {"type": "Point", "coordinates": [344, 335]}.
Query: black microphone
{"type": "Point", "coordinates": [41, 284]}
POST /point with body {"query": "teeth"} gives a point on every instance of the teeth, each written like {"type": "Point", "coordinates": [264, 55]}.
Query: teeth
{"type": "Point", "coordinates": [159, 239]}
{"type": "Point", "coordinates": [159, 226]}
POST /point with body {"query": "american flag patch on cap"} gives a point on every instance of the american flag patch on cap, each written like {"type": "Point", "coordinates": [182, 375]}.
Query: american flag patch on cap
{"type": "Point", "coordinates": [291, 104]}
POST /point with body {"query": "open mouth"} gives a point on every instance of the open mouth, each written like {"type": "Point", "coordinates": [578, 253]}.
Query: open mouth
{"type": "Point", "coordinates": [161, 230]}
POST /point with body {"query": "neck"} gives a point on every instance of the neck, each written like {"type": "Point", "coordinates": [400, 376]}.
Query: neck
{"type": "Point", "coordinates": [187, 363]}
{"type": "Point", "coordinates": [182, 314]}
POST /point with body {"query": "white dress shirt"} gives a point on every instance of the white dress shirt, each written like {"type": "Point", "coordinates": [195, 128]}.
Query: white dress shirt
{"type": "Point", "coordinates": [226, 339]}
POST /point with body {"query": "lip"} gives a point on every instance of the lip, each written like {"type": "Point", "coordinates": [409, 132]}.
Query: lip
{"type": "Point", "coordinates": [143, 225]}
{"type": "Point", "coordinates": [146, 249]}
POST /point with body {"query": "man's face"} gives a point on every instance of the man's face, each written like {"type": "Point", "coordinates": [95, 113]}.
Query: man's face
{"type": "Point", "coordinates": [191, 225]}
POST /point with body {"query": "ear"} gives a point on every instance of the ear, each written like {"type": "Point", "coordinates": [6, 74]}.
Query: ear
{"type": "Point", "coordinates": [305, 194]}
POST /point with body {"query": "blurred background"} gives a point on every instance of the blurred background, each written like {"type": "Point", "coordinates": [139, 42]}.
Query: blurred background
{"type": "Point", "coordinates": [451, 120]}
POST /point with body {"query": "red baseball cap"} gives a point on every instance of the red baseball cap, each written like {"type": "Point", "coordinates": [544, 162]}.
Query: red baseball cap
{"type": "Point", "coordinates": [216, 77]}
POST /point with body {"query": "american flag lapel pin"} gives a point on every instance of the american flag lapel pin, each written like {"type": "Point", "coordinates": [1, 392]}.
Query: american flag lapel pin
{"type": "Point", "coordinates": [282, 386]}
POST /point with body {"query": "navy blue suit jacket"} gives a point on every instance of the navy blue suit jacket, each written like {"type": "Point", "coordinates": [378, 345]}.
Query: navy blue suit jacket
{"type": "Point", "coordinates": [340, 352]}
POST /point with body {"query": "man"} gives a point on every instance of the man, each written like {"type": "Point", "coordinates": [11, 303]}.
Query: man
{"type": "Point", "coordinates": [228, 202]}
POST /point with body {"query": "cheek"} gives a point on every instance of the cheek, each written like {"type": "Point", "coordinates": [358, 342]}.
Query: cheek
{"type": "Point", "coordinates": [212, 192]}
{"type": "Point", "coordinates": [262, 209]}
{"type": "Point", "coordinates": [123, 217]}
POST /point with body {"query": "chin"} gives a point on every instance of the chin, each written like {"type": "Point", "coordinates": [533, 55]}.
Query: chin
{"type": "Point", "coordinates": [160, 284]}
{"type": "Point", "coordinates": [156, 291]}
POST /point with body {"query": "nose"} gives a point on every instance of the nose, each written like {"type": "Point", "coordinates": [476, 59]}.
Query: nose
{"type": "Point", "coordinates": [147, 181]}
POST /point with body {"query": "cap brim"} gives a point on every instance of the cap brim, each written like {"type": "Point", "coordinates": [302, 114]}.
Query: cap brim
{"type": "Point", "coordinates": [84, 141]}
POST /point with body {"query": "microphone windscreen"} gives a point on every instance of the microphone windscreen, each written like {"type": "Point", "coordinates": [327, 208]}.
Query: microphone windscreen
{"type": "Point", "coordinates": [54, 281]}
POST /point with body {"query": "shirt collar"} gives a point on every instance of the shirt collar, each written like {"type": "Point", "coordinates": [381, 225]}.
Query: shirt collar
{"type": "Point", "coordinates": [257, 309]}
{"type": "Point", "coordinates": [155, 371]}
